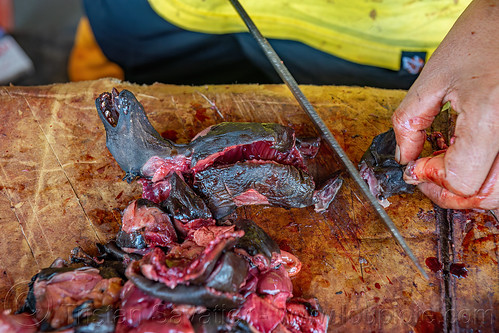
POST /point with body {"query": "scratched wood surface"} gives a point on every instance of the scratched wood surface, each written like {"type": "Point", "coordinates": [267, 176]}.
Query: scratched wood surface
{"type": "Point", "coordinates": [60, 188]}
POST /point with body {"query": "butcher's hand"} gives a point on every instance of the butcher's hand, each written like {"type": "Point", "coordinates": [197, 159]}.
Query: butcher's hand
{"type": "Point", "coordinates": [465, 71]}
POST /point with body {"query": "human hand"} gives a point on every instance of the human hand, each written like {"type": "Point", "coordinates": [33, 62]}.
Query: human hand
{"type": "Point", "coordinates": [464, 71]}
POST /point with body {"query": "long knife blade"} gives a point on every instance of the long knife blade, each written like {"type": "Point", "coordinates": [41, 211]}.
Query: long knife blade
{"type": "Point", "coordinates": [323, 129]}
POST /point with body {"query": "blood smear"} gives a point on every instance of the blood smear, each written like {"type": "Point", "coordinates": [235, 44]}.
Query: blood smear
{"type": "Point", "coordinates": [458, 270]}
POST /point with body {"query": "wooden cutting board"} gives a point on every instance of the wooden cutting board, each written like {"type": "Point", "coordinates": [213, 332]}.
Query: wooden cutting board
{"type": "Point", "coordinates": [61, 188]}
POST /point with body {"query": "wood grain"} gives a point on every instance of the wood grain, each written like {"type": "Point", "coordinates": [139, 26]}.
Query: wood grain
{"type": "Point", "coordinates": [60, 188]}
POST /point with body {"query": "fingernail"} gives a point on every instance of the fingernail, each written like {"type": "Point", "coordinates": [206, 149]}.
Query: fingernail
{"type": "Point", "coordinates": [409, 176]}
{"type": "Point", "coordinates": [409, 169]}
{"type": "Point", "coordinates": [397, 154]}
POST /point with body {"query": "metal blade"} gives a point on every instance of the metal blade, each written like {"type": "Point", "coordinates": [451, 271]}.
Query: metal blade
{"type": "Point", "coordinates": [323, 129]}
{"type": "Point", "coordinates": [494, 214]}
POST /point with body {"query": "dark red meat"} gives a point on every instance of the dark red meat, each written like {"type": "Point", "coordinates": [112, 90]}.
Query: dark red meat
{"type": "Point", "coordinates": [143, 313]}
{"type": "Point", "coordinates": [305, 316]}
{"type": "Point", "coordinates": [56, 294]}
{"type": "Point", "coordinates": [264, 316]}
{"type": "Point", "coordinates": [136, 306]}
{"type": "Point", "coordinates": [143, 219]}
{"type": "Point", "coordinates": [227, 143]}
{"type": "Point", "coordinates": [17, 323]}
{"type": "Point", "coordinates": [156, 192]}
{"type": "Point", "coordinates": [154, 267]}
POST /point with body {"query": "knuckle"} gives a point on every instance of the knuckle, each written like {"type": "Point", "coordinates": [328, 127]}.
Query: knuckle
{"type": "Point", "coordinates": [396, 121]}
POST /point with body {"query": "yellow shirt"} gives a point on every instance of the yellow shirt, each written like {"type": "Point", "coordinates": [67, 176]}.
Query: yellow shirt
{"type": "Point", "coordinates": [369, 32]}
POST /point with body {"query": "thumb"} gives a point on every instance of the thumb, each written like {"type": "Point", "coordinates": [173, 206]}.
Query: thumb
{"type": "Point", "coordinates": [416, 113]}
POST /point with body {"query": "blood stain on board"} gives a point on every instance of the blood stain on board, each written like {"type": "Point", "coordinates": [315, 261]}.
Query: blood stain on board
{"type": "Point", "coordinates": [458, 270]}
{"type": "Point", "coordinates": [105, 220]}
{"type": "Point", "coordinates": [88, 157]}
{"type": "Point", "coordinates": [119, 195]}
{"type": "Point", "coordinates": [170, 135]}
{"type": "Point", "coordinates": [433, 264]}
{"type": "Point", "coordinates": [430, 322]}
{"type": "Point", "coordinates": [200, 112]}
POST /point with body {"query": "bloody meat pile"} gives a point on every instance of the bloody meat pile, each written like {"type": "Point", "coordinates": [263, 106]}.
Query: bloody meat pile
{"type": "Point", "coordinates": [180, 263]}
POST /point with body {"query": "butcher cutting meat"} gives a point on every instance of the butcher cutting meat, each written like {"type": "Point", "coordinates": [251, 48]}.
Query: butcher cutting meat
{"type": "Point", "coordinates": [463, 71]}
{"type": "Point", "coordinates": [183, 254]}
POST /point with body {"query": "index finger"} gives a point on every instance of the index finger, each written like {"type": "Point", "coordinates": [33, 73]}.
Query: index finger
{"type": "Point", "coordinates": [415, 114]}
